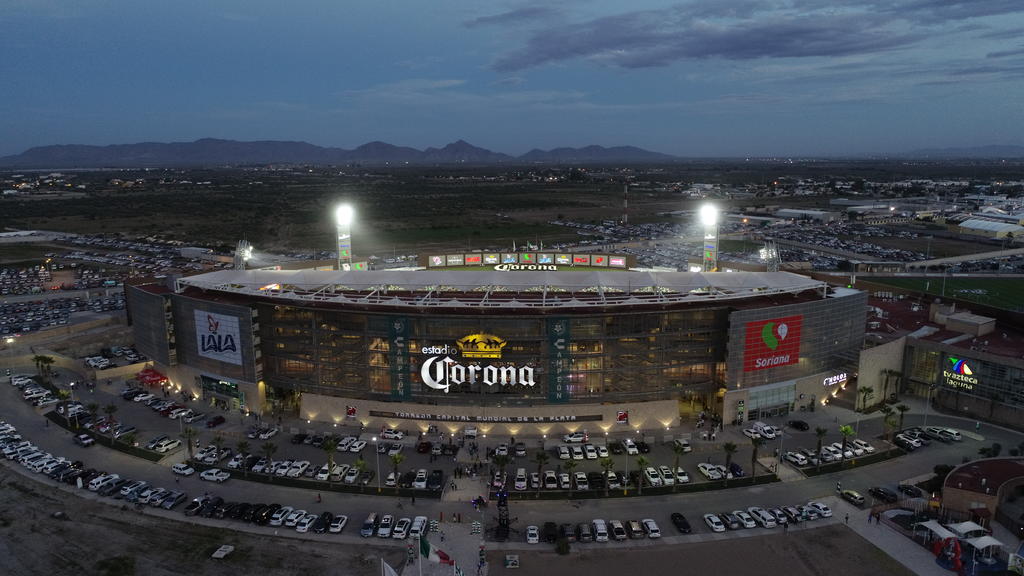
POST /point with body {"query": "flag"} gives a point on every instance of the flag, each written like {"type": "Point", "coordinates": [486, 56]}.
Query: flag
{"type": "Point", "coordinates": [388, 570]}
{"type": "Point", "coordinates": [432, 553]}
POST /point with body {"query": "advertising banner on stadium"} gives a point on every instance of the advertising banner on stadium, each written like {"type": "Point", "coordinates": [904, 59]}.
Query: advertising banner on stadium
{"type": "Point", "coordinates": [398, 358]}
{"type": "Point", "coordinates": [772, 343]}
{"type": "Point", "coordinates": [217, 337]}
{"type": "Point", "coordinates": [558, 360]}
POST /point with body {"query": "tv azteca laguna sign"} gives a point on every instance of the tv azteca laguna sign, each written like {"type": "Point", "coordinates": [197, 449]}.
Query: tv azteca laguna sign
{"type": "Point", "coordinates": [217, 337]}
{"type": "Point", "coordinates": [771, 343]}
{"type": "Point", "coordinates": [441, 372]}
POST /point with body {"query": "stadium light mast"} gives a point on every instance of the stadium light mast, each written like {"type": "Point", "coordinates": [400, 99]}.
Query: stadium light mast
{"type": "Point", "coordinates": [709, 219]}
{"type": "Point", "coordinates": [343, 215]}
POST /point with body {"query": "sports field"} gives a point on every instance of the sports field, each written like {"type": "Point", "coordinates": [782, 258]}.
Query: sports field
{"type": "Point", "coordinates": [1000, 292]}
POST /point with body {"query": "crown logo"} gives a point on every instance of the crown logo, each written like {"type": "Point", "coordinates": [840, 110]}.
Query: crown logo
{"type": "Point", "coordinates": [480, 346]}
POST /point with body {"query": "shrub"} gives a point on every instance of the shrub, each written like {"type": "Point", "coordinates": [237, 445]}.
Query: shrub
{"type": "Point", "coordinates": [562, 546]}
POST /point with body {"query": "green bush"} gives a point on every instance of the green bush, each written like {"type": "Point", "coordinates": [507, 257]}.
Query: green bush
{"type": "Point", "coordinates": [562, 546]}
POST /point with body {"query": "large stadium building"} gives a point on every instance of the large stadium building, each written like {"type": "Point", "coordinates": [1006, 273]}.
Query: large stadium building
{"type": "Point", "coordinates": [510, 351]}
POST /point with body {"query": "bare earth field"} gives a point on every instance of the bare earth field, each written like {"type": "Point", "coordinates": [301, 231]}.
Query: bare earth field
{"type": "Point", "coordinates": [107, 541]}
{"type": "Point", "coordinates": [825, 551]}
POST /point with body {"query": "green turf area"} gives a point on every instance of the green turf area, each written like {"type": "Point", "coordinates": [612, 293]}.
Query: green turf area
{"type": "Point", "coordinates": [27, 252]}
{"type": "Point", "coordinates": [998, 292]}
{"type": "Point", "coordinates": [560, 268]}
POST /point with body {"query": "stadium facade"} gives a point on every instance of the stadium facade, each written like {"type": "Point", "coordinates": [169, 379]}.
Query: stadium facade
{"type": "Point", "coordinates": [511, 351]}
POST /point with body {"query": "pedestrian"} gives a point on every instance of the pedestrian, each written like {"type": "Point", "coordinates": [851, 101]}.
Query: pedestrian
{"type": "Point", "coordinates": [847, 518]}
{"type": "Point", "coordinates": [46, 422]}
{"type": "Point", "coordinates": [318, 499]}
{"type": "Point", "coordinates": [785, 528]}
{"type": "Point", "coordinates": [413, 499]}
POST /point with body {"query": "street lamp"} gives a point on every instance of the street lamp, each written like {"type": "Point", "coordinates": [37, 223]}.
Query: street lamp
{"type": "Point", "coordinates": [377, 452]}
{"type": "Point", "coordinates": [709, 219]}
{"type": "Point", "coordinates": [343, 215]}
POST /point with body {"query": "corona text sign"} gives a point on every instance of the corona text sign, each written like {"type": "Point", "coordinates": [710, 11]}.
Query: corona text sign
{"type": "Point", "coordinates": [440, 371]}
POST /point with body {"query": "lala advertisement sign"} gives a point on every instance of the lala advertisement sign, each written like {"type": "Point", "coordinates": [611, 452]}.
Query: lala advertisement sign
{"type": "Point", "coordinates": [217, 337]}
{"type": "Point", "coordinates": [772, 343]}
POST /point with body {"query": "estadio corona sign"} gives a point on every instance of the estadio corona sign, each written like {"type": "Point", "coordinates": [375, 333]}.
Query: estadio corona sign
{"type": "Point", "coordinates": [217, 337]}
{"type": "Point", "coordinates": [441, 371]}
{"type": "Point", "coordinates": [772, 343]}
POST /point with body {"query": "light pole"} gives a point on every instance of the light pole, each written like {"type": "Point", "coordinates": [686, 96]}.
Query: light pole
{"type": "Point", "coordinates": [709, 219]}
{"type": "Point", "coordinates": [377, 452]}
{"type": "Point", "coordinates": [343, 227]}
{"type": "Point", "coordinates": [927, 401]}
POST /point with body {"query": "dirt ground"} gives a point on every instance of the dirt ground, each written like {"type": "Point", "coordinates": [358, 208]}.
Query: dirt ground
{"type": "Point", "coordinates": [820, 552]}
{"type": "Point", "coordinates": [103, 540]}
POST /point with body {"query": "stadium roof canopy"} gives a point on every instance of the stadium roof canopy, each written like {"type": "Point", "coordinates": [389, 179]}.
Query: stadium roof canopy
{"type": "Point", "coordinates": [489, 289]}
{"type": "Point", "coordinates": [988, 225]}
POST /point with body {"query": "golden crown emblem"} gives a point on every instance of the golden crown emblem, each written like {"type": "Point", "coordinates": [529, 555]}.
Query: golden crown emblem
{"type": "Point", "coordinates": [481, 346]}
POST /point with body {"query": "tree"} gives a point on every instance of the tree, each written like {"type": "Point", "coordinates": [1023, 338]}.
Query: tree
{"type": "Point", "coordinates": [887, 421]}
{"type": "Point", "coordinates": [820, 433]}
{"type": "Point", "coordinates": [729, 448]}
{"type": "Point", "coordinates": [396, 460]}
{"type": "Point", "coordinates": [190, 434]}
{"type": "Point", "coordinates": [64, 397]}
{"type": "Point", "coordinates": [541, 458]}
{"type": "Point", "coordinates": [361, 466]}
{"type": "Point", "coordinates": [641, 463]}
{"type": "Point", "coordinates": [268, 450]}
{"type": "Point", "coordinates": [570, 467]}
{"type": "Point", "coordinates": [756, 444]}
{"type": "Point", "coordinates": [218, 443]}
{"type": "Point", "coordinates": [92, 408]}
{"type": "Point", "coordinates": [243, 449]}
{"type": "Point", "coordinates": [329, 446]}
{"type": "Point", "coordinates": [607, 464]}
{"type": "Point", "coordinates": [110, 410]}
{"type": "Point", "coordinates": [43, 365]}
{"type": "Point", "coordinates": [128, 439]}
{"type": "Point", "coordinates": [902, 409]}
{"type": "Point", "coordinates": [501, 462]}
{"type": "Point", "coordinates": [678, 450]}
{"type": "Point", "coordinates": [865, 394]}
{"type": "Point", "coordinates": [847, 431]}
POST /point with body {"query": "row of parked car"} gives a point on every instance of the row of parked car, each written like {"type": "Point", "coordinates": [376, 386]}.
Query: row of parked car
{"type": "Point", "coordinates": [597, 530]}
{"type": "Point", "coordinates": [755, 516]}
{"type": "Point", "coordinates": [911, 439]}
{"type": "Point", "coordinates": [31, 391]}
{"type": "Point", "coordinates": [166, 407]}
{"type": "Point", "coordinates": [829, 453]}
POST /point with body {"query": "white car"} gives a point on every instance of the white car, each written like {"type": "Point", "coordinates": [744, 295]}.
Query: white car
{"type": "Point", "coordinates": [357, 446]}
{"type": "Point", "coordinates": [352, 474]}
{"type": "Point", "coordinates": [838, 449]}
{"type": "Point", "coordinates": [581, 481]}
{"type": "Point", "coordinates": [630, 447]}
{"type": "Point", "coordinates": [667, 477]}
{"type": "Point", "coordinates": [143, 397]}
{"type": "Point", "coordinates": [338, 523]}
{"type": "Point", "coordinates": [746, 519]}
{"type": "Point", "coordinates": [394, 449]}
{"type": "Point", "coordinates": [401, 530]}
{"type": "Point", "coordinates": [864, 446]}
{"type": "Point", "coordinates": [297, 468]}
{"type": "Point", "coordinates": [392, 434]}
{"type": "Point", "coordinates": [386, 523]}
{"type": "Point", "coordinates": [684, 445]}
{"type": "Point", "coordinates": [389, 481]}
{"type": "Point", "coordinates": [577, 452]}
{"type": "Point", "coordinates": [294, 517]}
{"type": "Point", "coordinates": [532, 535]}
{"type": "Point", "coordinates": [714, 523]}
{"type": "Point", "coordinates": [564, 481]}
{"type": "Point", "coordinates": [520, 480]}
{"type": "Point", "coordinates": [501, 450]}
{"type": "Point", "coordinates": [767, 432]}
{"type": "Point", "coordinates": [183, 469]}
{"type": "Point", "coordinates": [420, 481]}
{"type": "Point", "coordinates": [345, 443]}
{"type": "Point", "coordinates": [236, 461]}
{"type": "Point", "coordinates": [278, 517]}
{"type": "Point", "coordinates": [563, 452]}
{"type": "Point", "coordinates": [796, 458]}
{"type": "Point", "coordinates": [652, 476]}
{"type": "Point", "coordinates": [822, 509]}
{"type": "Point", "coordinates": [305, 523]}
{"type": "Point", "coordinates": [602, 452]}
{"type": "Point", "coordinates": [681, 476]}
{"type": "Point", "coordinates": [751, 433]}
{"type": "Point", "coordinates": [166, 445]}
{"type": "Point", "coordinates": [419, 525]}
{"type": "Point", "coordinates": [762, 516]}
{"type": "Point", "coordinates": [268, 434]}
{"type": "Point", "coordinates": [710, 471]}
{"type": "Point", "coordinates": [550, 480]}
{"type": "Point", "coordinates": [215, 475]}
{"type": "Point", "coordinates": [574, 438]}
{"type": "Point", "coordinates": [651, 528]}
{"type": "Point", "coordinates": [590, 451]}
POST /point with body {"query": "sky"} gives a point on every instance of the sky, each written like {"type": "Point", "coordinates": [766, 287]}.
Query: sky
{"type": "Point", "coordinates": [690, 78]}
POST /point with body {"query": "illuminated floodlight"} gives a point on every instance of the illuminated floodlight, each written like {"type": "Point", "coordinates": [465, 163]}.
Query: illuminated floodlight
{"type": "Point", "coordinates": [708, 215]}
{"type": "Point", "coordinates": [343, 215]}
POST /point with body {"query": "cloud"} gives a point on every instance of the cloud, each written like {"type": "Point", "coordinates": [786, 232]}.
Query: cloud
{"type": "Point", "coordinates": [1011, 34]}
{"type": "Point", "coordinates": [524, 14]}
{"type": "Point", "coordinates": [1005, 53]}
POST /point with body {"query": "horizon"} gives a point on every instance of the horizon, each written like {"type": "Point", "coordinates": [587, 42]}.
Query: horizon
{"type": "Point", "coordinates": [694, 80]}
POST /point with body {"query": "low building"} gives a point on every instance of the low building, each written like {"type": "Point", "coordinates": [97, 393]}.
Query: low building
{"type": "Point", "coordinates": [987, 489]}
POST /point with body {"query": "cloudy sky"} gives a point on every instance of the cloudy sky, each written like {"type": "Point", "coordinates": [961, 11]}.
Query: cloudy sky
{"type": "Point", "coordinates": [694, 78]}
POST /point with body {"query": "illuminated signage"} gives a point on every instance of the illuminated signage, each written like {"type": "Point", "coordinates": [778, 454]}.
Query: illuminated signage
{"type": "Point", "coordinates": [217, 337]}
{"type": "Point", "coordinates": [959, 374]}
{"type": "Point", "coordinates": [563, 259]}
{"type": "Point", "coordinates": [491, 259]}
{"type": "Point", "coordinates": [833, 380]}
{"type": "Point", "coordinates": [441, 372]}
{"type": "Point", "coordinates": [772, 343]}
{"type": "Point", "coordinates": [617, 262]}
{"type": "Point", "coordinates": [514, 267]}
{"type": "Point", "coordinates": [498, 419]}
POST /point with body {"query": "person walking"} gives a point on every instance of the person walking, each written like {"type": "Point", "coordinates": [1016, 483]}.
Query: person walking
{"type": "Point", "coordinates": [847, 518]}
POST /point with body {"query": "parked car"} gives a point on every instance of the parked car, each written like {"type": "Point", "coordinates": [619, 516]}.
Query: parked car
{"type": "Point", "coordinates": [681, 523]}
{"type": "Point", "coordinates": [799, 425]}
{"type": "Point", "coordinates": [215, 475]}
{"type": "Point", "coordinates": [714, 523]}
{"type": "Point", "coordinates": [183, 469]}
{"type": "Point", "coordinates": [883, 494]}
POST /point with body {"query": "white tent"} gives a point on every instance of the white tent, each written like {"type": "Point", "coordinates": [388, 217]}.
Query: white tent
{"type": "Point", "coordinates": [966, 529]}
{"type": "Point", "coordinates": [936, 528]}
{"type": "Point", "coordinates": [983, 542]}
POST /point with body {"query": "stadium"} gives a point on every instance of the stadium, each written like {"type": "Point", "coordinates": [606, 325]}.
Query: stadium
{"type": "Point", "coordinates": [513, 349]}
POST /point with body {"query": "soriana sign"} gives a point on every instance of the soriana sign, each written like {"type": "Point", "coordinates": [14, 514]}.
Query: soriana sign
{"type": "Point", "coordinates": [771, 343]}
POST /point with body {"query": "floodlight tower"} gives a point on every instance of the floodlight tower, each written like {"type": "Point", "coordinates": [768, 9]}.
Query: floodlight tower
{"type": "Point", "coordinates": [709, 219]}
{"type": "Point", "coordinates": [243, 253]}
{"type": "Point", "coordinates": [343, 227]}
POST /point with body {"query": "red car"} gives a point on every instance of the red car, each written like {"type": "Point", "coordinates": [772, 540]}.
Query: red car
{"type": "Point", "coordinates": [423, 447]}
{"type": "Point", "coordinates": [215, 421]}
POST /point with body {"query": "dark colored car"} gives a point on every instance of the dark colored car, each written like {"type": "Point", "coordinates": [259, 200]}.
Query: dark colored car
{"type": "Point", "coordinates": [222, 510]}
{"type": "Point", "coordinates": [567, 531]}
{"type": "Point", "coordinates": [323, 522]}
{"type": "Point", "coordinates": [263, 515]}
{"type": "Point", "coordinates": [549, 533]}
{"type": "Point", "coordinates": [406, 480]}
{"type": "Point", "coordinates": [240, 511]}
{"type": "Point", "coordinates": [883, 494]}
{"type": "Point", "coordinates": [254, 512]}
{"type": "Point", "coordinates": [595, 480]}
{"type": "Point", "coordinates": [210, 506]}
{"type": "Point", "coordinates": [681, 523]}
{"type": "Point", "coordinates": [910, 490]}
{"type": "Point", "coordinates": [904, 444]}
{"type": "Point", "coordinates": [194, 507]}
{"type": "Point", "coordinates": [436, 480]}
{"type": "Point", "coordinates": [615, 447]}
{"type": "Point", "coordinates": [215, 421]}
{"type": "Point", "coordinates": [731, 521]}
{"type": "Point", "coordinates": [299, 438]}
{"type": "Point", "coordinates": [799, 425]}
{"type": "Point", "coordinates": [735, 469]}
{"type": "Point", "coordinates": [424, 447]}
{"type": "Point", "coordinates": [643, 447]}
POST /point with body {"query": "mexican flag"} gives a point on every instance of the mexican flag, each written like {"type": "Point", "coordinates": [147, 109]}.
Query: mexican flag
{"type": "Point", "coordinates": [433, 554]}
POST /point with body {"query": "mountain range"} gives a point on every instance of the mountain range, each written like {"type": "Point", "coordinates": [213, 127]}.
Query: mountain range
{"type": "Point", "coordinates": [216, 152]}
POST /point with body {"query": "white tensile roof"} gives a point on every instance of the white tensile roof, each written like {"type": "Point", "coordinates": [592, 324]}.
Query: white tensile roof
{"type": "Point", "coordinates": [489, 288]}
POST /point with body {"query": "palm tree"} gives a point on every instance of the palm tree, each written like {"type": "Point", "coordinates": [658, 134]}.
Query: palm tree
{"type": "Point", "coordinates": [43, 364]}
{"type": "Point", "coordinates": [756, 443]}
{"type": "Point", "coordinates": [847, 431]}
{"type": "Point", "coordinates": [607, 464]}
{"type": "Point", "coordinates": [92, 408]}
{"type": "Point", "coordinates": [887, 422]}
{"type": "Point", "coordinates": [189, 434]}
{"type": "Point", "coordinates": [360, 465]}
{"type": "Point", "coordinates": [541, 458]}
{"type": "Point", "coordinates": [218, 442]}
{"type": "Point", "coordinates": [64, 396]}
{"type": "Point", "coordinates": [128, 439]}
{"type": "Point", "coordinates": [729, 448]}
{"type": "Point", "coordinates": [268, 450]}
{"type": "Point", "coordinates": [329, 446]}
{"type": "Point", "coordinates": [677, 449]}
{"type": "Point", "coordinates": [500, 461]}
{"type": "Point", "coordinates": [902, 409]}
{"type": "Point", "coordinates": [109, 410]}
{"type": "Point", "coordinates": [641, 463]}
{"type": "Point", "coordinates": [396, 460]}
{"type": "Point", "coordinates": [243, 449]}
{"type": "Point", "coordinates": [865, 395]}
{"type": "Point", "coordinates": [820, 433]}
{"type": "Point", "coordinates": [570, 467]}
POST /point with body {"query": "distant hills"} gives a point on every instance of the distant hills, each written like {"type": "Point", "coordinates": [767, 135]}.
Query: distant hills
{"type": "Point", "coordinates": [977, 152]}
{"type": "Point", "coordinates": [215, 152]}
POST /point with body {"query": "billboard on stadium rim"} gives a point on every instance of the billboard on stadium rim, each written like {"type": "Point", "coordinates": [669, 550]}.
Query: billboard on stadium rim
{"type": "Point", "coordinates": [549, 260]}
